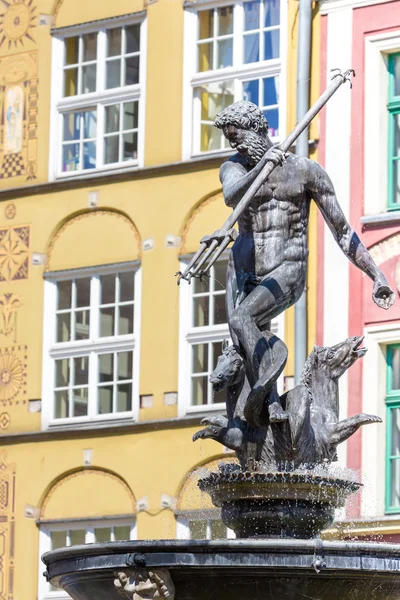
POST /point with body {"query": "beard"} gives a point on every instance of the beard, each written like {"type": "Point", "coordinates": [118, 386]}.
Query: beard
{"type": "Point", "coordinates": [252, 148]}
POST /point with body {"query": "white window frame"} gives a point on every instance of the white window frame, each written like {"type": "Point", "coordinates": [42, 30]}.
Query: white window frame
{"type": "Point", "coordinates": [244, 72]}
{"type": "Point", "coordinates": [53, 350]}
{"type": "Point", "coordinates": [189, 335]}
{"type": "Point", "coordinates": [99, 99]}
{"type": "Point", "coordinates": [45, 529]}
{"type": "Point", "coordinates": [183, 529]}
{"type": "Point", "coordinates": [377, 49]}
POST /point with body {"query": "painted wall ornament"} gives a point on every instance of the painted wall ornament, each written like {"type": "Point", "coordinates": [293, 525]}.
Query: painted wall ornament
{"type": "Point", "coordinates": [18, 113]}
{"type": "Point", "coordinates": [10, 211]}
{"type": "Point", "coordinates": [16, 22]}
{"type": "Point", "coordinates": [7, 527]}
{"type": "Point", "coordinates": [145, 585]}
{"type": "Point", "coordinates": [4, 421]}
{"type": "Point", "coordinates": [14, 253]}
{"type": "Point", "coordinates": [9, 305]}
{"type": "Point", "coordinates": [13, 375]}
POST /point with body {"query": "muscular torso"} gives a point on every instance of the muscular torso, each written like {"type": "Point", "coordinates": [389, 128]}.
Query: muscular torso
{"type": "Point", "coordinates": [273, 229]}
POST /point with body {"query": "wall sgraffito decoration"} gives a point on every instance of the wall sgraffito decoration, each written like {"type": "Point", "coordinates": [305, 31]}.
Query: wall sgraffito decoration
{"type": "Point", "coordinates": [5, 421]}
{"type": "Point", "coordinates": [14, 253]}
{"type": "Point", "coordinates": [18, 114]}
{"type": "Point", "coordinates": [17, 19]}
{"type": "Point", "coordinates": [7, 527]}
{"type": "Point", "coordinates": [9, 305]}
{"type": "Point", "coordinates": [13, 367]}
{"type": "Point", "coordinates": [10, 211]}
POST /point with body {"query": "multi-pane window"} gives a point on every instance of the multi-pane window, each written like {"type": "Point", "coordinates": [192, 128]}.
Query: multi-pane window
{"type": "Point", "coordinates": [237, 57]}
{"type": "Point", "coordinates": [203, 529]}
{"type": "Point", "coordinates": [92, 346]}
{"type": "Point", "coordinates": [97, 99]}
{"type": "Point", "coordinates": [394, 131]}
{"type": "Point", "coordinates": [393, 430]}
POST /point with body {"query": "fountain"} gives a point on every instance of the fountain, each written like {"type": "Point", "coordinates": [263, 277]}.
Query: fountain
{"type": "Point", "coordinates": [284, 488]}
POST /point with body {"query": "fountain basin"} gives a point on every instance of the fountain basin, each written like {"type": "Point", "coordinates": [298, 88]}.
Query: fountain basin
{"type": "Point", "coordinates": [233, 569]}
{"type": "Point", "coordinates": [277, 504]}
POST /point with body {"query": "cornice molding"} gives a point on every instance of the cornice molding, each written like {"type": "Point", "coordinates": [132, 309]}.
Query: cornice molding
{"type": "Point", "coordinates": [328, 6]}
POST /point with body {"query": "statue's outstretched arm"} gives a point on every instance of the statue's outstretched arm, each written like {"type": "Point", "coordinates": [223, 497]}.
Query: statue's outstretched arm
{"type": "Point", "coordinates": [322, 191]}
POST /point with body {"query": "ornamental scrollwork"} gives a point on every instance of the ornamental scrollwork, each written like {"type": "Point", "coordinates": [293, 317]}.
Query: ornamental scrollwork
{"type": "Point", "coordinates": [143, 584]}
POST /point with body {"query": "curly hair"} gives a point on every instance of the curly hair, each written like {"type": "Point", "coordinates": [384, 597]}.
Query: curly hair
{"type": "Point", "coordinates": [243, 114]}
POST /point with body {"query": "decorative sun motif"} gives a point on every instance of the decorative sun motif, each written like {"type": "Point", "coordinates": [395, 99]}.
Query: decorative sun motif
{"type": "Point", "coordinates": [11, 376]}
{"type": "Point", "coordinates": [16, 21]}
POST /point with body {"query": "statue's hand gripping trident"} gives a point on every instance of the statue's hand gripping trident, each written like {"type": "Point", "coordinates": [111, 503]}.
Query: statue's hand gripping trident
{"type": "Point", "coordinates": [212, 246]}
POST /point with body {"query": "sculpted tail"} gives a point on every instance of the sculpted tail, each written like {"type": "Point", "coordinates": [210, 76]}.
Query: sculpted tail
{"type": "Point", "coordinates": [344, 429]}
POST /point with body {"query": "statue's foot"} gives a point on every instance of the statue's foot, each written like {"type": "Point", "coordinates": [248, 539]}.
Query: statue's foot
{"type": "Point", "coordinates": [276, 413]}
{"type": "Point", "coordinates": [218, 420]}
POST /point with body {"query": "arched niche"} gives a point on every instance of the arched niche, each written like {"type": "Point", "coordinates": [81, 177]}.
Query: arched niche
{"type": "Point", "coordinates": [94, 238]}
{"type": "Point", "coordinates": [207, 216]}
{"type": "Point", "coordinates": [190, 498]}
{"type": "Point", "coordinates": [75, 12]}
{"type": "Point", "coordinates": [386, 249]}
{"type": "Point", "coordinates": [88, 493]}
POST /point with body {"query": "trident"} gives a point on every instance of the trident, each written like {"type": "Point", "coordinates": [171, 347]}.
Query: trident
{"type": "Point", "coordinates": [212, 246]}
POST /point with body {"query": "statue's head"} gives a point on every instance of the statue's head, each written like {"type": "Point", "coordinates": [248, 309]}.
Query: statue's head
{"type": "Point", "coordinates": [245, 127]}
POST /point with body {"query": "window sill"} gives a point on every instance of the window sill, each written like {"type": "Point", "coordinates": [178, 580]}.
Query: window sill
{"type": "Point", "coordinates": [391, 217]}
{"type": "Point", "coordinates": [104, 422]}
{"type": "Point", "coordinates": [121, 167]}
{"type": "Point", "coordinates": [203, 408]}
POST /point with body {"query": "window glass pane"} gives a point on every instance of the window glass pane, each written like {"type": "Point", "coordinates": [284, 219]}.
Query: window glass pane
{"type": "Point", "coordinates": [397, 75]}
{"type": "Point", "coordinates": [64, 292]}
{"type": "Point", "coordinates": [395, 483]}
{"type": "Point", "coordinates": [132, 38]}
{"type": "Point", "coordinates": [225, 53]}
{"type": "Point", "coordinates": [82, 292]}
{"type": "Point", "coordinates": [272, 116]}
{"type": "Point", "coordinates": [215, 97]}
{"type": "Point", "coordinates": [225, 20]}
{"type": "Point", "coordinates": [125, 360]}
{"type": "Point", "coordinates": [251, 15]}
{"type": "Point", "coordinates": [107, 289]}
{"type": "Point", "coordinates": [72, 51]}
{"type": "Point", "coordinates": [112, 118]}
{"type": "Point", "coordinates": [251, 48]}
{"type": "Point", "coordinates": [127, 284]}
{"type": "Point", "coordinates": [129, 145]}
{"type": "Point", "coordinates": [122, 533]}
{"type": "Point", "coordinates": [396, 181]}
{"type": "Point", "coordinates": [89, 123]}
{"type": "Point", "coordinates": [114, 42]}
{"type": "Point", "coordinates": [130, 115]}
{"type": "Point", "coordinates": [271, 12]}
{"type": "Point", "coordinates": [81, 370]}
{"type": "Point", "coordinates": [205, 57]}
{"type": "Point", "coordinates": [77, 536]}
{"type": "Point", "coordinates": [89, 155]}
{"type": "Point", "coordinates": [200, 311]}
{"type": "Point", "coordinates": [89, 46]}
{"type": "Point", "coordinates": [102, 534]}
{"type": "Point", "coordinates": [271, 90]}
{"type": "Point", "coordinates": [64, 327]}
{"type": "Point", "coordinates": [111, 149]}
{"type": "Point", "coordinates": [271, 44]}
{"type": "Point", "coordinates": [125, 322]}
{"type": "Point", "coordinates": [107, 321]}
{"type": "Point", "coordinates": [251, 91]}
{"type": "Point", "coordinates": [198, 530]}
{"type": "Point", "coordinates": [113, 73]}
{"type": "Point", "coordinates": [82, 325]}
{"type": "Point", "coordinates": [89, 79]}
{"type": "Point", "coordinates": [200, 286]}
{"type": "Point", "coordinates": [395, 368]}
{"type": "Point", "coordinates": [200, 358]}
{"type": "Point", "coordinates": [396, 135]}
{"type": "Point", "coordinates": [106, 367]}
{"type": "Point", "coordinates": [70, 159]}
{"type": "Point", "coordinates": [219, 274]}
{"type": "Point", "coordinates": [131, 70]}
{"type": "Point", "coordinates": [80, 402]}
{"type": "Point", "coordinates": [124, 397]}
{"type": "Point", "coordinates": [395, 449]}
{"type": "Point", "coordinates": [199, 390]}
{"type": "Point", "coordinates": [61, 404]}
{"type": "Point", "coordinates": [71, 82]}
{"type": "Point", "coordinates": [58, 539]}
{"type": "Point", "coordinates": [219, 309]}
{"type": "Point", "coordinates": [105, 399]}
{"type": "Point", "coordinates": [217, 530]}
{"type": "Point", "coordinates": [72, 126]}
{"type": "Point", "coordinates": [62, 372]}
{"type": "Point", "coordinates": [206, 24]}
{"type": "Point", "coordinates": [211, 138]}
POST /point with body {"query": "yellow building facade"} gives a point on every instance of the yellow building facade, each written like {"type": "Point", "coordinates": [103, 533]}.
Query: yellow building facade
{"type": "Point", "coordinates": [108, 180]}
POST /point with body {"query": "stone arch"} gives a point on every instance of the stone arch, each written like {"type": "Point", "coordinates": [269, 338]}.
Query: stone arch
{"type": "Point", "coordinates": [75, 12]}
{"type": "Point", "coordinates": [100, 492]}
{"type": "Point", "coordinates": [386, 249]}
{"type": "Point", "coordinates": [189, 497]}
{"type": "Point", "coordinates": [93, 238]}
{"type": "Point", "coordinates": [207, 215]}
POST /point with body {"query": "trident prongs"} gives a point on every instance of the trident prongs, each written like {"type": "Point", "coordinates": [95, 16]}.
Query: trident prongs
{"type": "Point", "coordinates": [211, 248]}
{"type": "Point", "coordinates": [345, 75]}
